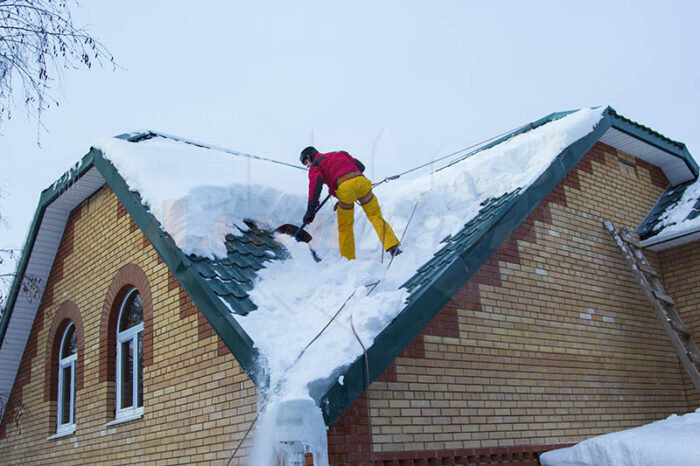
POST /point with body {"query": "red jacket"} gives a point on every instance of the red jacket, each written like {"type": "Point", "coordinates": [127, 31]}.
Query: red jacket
{"type": "Point", "coordinates": [327, 168]}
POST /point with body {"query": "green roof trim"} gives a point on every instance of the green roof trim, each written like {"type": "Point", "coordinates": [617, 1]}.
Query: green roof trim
{"type": "Point", "coordinates": [653, 138]}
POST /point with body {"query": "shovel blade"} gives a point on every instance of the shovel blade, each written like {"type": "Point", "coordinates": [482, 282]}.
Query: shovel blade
{"type": "Point", "coordinates": [293, 230]}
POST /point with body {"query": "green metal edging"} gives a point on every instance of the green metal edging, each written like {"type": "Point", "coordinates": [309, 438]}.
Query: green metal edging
{"type": "Point", "coordinates": [47, 197]}
{"type": "Point", "coordinates": [432, 298]}
{"type": "Point", "coordinates": [236, 339]}
{"type": "Point", "coordinates": [653, 138]}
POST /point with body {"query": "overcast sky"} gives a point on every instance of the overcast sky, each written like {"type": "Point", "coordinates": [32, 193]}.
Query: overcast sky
{"type": "Point", "coordinates": [396, 83]}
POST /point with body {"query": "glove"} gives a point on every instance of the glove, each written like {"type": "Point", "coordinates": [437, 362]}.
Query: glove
{"type": "Point", "coordinates": [310, 211]}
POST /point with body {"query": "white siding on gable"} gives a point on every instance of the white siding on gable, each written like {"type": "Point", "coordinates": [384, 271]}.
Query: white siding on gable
{"type": "Point", "coordinates": [673, 167]}
{"type": "Point", "coordinates": [43, 253]}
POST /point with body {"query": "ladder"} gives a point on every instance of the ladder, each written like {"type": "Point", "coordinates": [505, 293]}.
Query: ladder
{"type": "Point", "coordinates": [663, 305]}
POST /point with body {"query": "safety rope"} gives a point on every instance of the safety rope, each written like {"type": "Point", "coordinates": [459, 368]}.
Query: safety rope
{"type": "Point", "coordinates": [403, 235]}
{"type": "Point", "coordinates": [323, 329]}
{"type": "Point", "coordinates": [243, 439]}
{"type": "Point", "coordinates": [394, 177]}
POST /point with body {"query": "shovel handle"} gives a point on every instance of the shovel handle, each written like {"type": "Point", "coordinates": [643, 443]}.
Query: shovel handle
{"type": "Point", "coordinates": [328, 196]}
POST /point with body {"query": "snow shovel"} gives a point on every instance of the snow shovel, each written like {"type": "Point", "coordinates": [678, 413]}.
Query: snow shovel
{"type": "Point", "coordinates": [299, 233]}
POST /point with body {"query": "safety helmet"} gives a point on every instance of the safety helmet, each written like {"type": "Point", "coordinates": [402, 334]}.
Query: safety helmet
{"type": "Point", "coordinates": [308, 153]}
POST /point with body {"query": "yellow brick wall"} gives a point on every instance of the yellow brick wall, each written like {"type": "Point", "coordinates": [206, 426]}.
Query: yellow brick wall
{"type": "Point", "coordinates": [197, 403]}
{"type": "Point", "coordinates": [680, 268]}
{"type": "Point", "coordinates": [555, 342]}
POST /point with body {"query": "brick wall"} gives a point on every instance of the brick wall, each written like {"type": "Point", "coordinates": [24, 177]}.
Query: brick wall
{"type": "Point", "coordinates": [197, 400]}
{"type": "Point", "coordinates": [551, 342]}
{"type": "Point", "coordinates": [680, 267]}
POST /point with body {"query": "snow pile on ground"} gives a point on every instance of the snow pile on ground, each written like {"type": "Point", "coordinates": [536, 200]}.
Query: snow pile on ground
{"type": "Point", "coordinates": [199, 195]}
{"type": "Point", "coordinates": [673, 221]}
{"type": "Point", "coordinates": [674, 441]}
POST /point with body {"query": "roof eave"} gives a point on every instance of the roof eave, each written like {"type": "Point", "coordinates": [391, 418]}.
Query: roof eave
{"type": "Point", "coordinates": [667, 241]}
{"type": "Point", "coordinates": [653, 138]}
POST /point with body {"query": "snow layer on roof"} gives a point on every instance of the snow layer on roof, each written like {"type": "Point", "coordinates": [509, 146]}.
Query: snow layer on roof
{"type": "Point", "coordinates": [674, 221]}
{"type": "Point", "coordinates": [674, 441]}
{"type": "Point", "coordinates": [199, 195]}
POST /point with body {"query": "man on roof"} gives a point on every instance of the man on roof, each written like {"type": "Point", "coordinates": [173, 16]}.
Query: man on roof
{"type": "Point", "coordinates": [343, 175]}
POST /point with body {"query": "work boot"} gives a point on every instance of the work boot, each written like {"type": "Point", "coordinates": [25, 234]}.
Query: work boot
{"type": "Point", "coordinates": [394, 250]}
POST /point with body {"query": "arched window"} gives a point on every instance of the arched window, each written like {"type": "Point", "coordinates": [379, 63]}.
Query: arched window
{"type": "Point", "coordinates": [67, 357]}
{"type": "Point", "coordinates": [129, 375]}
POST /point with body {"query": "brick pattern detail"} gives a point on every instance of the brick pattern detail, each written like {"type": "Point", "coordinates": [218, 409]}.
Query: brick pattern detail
{"type": "Point", "coordinates": [222, 350]}
{"type": "Point", "coordinates": [65, 249]}
{"type": "Point", "coordinates": [444, 324]}
{"type": "Point", "coordinates": [415, 349]}
{"type": "Point", "coordinates": [121, 211]}
{"type": "Point", "coordinates": [680, 269]}
{"type": "Point", "coordinates": [172, 282]}
{"type": "Point", "coordinates": [68, 312]}
{"type": "Point", "coordinates": [24, 376]}
{"type": "Point", "coordinates": [349, 436]}
{"type": "Point", "coordinates": [197, 403]}
{"type": "Point", "coordinates": [130, 276]}
{"type": "Point", "coordinates": [657, 175]}
{"type": "Point", "coordinates": [554, 342]}
{"type": "Point", "coordinates": [187, 307]}
{"type": "Point", "coordinates": [349, 443]}
{"type": "Point", "coordinates": [24, 373]}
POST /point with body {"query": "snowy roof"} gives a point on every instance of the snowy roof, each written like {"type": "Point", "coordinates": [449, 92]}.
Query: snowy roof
{"type": "Point", "coordinates": [210, 213]}
{"type": "Point", "coordinates": [675, 219]}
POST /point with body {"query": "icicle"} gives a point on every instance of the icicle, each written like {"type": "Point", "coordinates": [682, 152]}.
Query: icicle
{"type": "Point", "coordinates": [299, 429]}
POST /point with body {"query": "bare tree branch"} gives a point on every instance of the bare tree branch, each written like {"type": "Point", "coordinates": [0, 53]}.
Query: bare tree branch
{"type": "Point", "coordinates": [37, 41]}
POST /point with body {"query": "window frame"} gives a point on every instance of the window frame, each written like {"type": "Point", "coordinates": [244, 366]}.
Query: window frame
{"type": "Point", "coordinates": [63, 363]}
{"type": "Point", "coordinates": [129, 335]}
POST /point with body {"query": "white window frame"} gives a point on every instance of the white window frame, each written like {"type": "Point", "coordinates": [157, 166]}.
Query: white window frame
{"type": "Point", "coordinates": [69, 361]}
{"type": "Point", "coordinates": [131, 334]}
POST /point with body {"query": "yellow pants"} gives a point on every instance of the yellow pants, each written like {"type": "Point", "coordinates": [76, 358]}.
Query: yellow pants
{"type": "Point", "coordinates": [347, 193]}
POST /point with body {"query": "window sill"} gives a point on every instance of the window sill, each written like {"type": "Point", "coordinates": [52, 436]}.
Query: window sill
{"type": "Point", "coordinates": [63, 433]}
{"type": "Point", "coordinates": [131, 416]}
